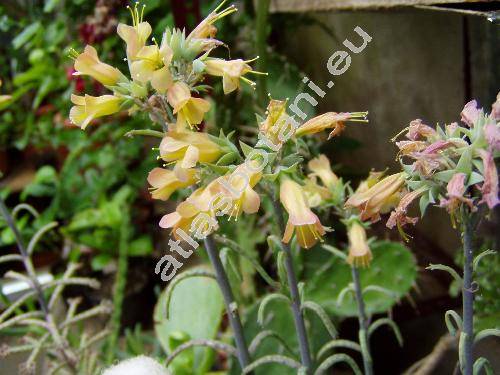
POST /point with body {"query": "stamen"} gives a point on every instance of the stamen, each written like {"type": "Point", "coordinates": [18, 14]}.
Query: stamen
{"type": "Point", "coordinates": [252, 60]}
{"type": "Point", "coordinates": [224, 13]}
{"type": "Point", "coordinates": [259, 73]}
{"type": "Point", "coordinates": [397, 135]}
{"type": "Point", "coordinates": [358, 120]}
{"type": "Point", "coordinates": [219, 6]}
{"type": "Point", "coordinates": [246, 80]}
{"type": "Point", "coordinates": [142, 13]}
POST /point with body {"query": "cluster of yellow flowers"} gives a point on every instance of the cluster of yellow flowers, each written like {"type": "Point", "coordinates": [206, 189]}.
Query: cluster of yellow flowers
{"type": "Point", "coordinates": [164, 82]}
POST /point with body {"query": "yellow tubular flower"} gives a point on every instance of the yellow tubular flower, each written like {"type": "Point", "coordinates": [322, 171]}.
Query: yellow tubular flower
{"type": "Point", "coordinates": [372, 179]}
{"type": "Point", "coordinates": [300, 218]}
{"type": "Point", "coordinates": [321, 168]}
{"type": "Point", "coordinates": [164, 182]}
{"type": "Point", "coordinates": [205, 28]}
{"type": "Point", "coordinates": [189, 110]}
{"type": "Point", "coordinates": [359, 251]}
{"type": "Point", "coordinates": [231, 72]}
{"type": "Point", "coordinates": [276, 122]}
{"type": "Point", "coordinates": [379, 198]}
{"type": "Point", "coordinates": [314, 192]}
{"type": "Point", "coordinates": [192, 215]}
{"type": "Point", "coordinates": [238, 187]}
{"type": "Point", "coordinates": [152, 66]}
{"type": "Point", "coordinates": [330, 120]}
{"type": "Point", "coordinates": [88, 63]}
{"type": "Point", "coordinates": [135, 36]}
{"type": "Point", "coordinates": [187, 149]}
{"type": "Point", "coordinates": [88, 107]}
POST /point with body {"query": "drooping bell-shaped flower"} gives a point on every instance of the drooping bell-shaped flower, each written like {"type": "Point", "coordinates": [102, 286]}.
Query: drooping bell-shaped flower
{"type": "Point", "coordinates": [152, 65]}
{"type": "Point", "coordinates": [187, 149]}
{"type": "Point", "coordinates": [231, 71]}
{"type": "Point", "coordinates": [321, 168]}
{"type": "Point", "coordinates": [489, 189]}
{"type": "Point", "coordinates": [206, 28]}
{"type": "Point", "coordinates": [455, 193]}
{"type": "Point", "coordinates": [315, 193]}
{"type": "Point", "coordinates": [417, 130]}
{"type": "Point", "coordinates": [164, 182]}
{"type": "Point", "coordinates": [359, 254]}
{"type": "Point", "coordinates": [189, 110]}
{"type": "Point", "coordinates": [88, 107]}
{"type": "Point", "coordinates": [135, 36]}
{"type": "Point", "coordinates": [194, 215]}
{"type": "Point", "coordinates": [399, 216]}
{"type": "Point", "coordinates": [379, 198]}
{"type": "Point", "coordinates": [88, 63]}
{"type": "Point", "coordinates": [470, 113]}
{"type": "Point", "coordinates": [301, 220]}
{"type": "Point", "coordinates": [330, 120]}
{"type": "Point", "coordinates": [238, 188]}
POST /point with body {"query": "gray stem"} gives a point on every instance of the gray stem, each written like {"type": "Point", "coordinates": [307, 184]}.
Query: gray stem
{"type": "Point", "coordinates": [300, 326]}
{"type": "Point", "coordinates": [468, 295]}
{"type": "Point", "coordinates": [231, 306]}
{"type": "Point", "coordinates": [363, 323]}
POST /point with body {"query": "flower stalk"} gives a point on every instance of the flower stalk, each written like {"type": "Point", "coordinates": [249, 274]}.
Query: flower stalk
{"type": "Point", "coordinates": [298, 317]}
{"type": "Point", "coordinates": [230, 303]}
{"type": "Point", "coordinates": [363, 323]}
{"type": "Point", "coordinates": [468, 295]}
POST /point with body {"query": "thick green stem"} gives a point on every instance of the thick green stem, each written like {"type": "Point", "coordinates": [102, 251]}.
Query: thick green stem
{"type": "Point", "coordinates": [468, 296]}
{"type": "Point", "coordinates": [364, 340]}
{"type": "Point", "coordinates": [231, 306]}
{"type": "Point", "coordinates": [119, 288]}
{"type": "Point", "coordinates": [298, 317]}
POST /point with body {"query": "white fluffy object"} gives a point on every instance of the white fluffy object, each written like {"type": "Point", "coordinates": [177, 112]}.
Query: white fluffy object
{"type": "Point", "coordinates": [140, 365]}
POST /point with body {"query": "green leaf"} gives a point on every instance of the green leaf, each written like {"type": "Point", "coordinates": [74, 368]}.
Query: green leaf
{"type": "Point", "coordinates": [318, 310]}
{"type": "Point", "coordinates": [227, 159]}
{"type": "Point", "coordinates": [44, 89]}
{"type": "Point", "coordinates": [196, 307]}
{"type": "Point", "coordinates": [245, 148]}
{"type": "Point", "coordinates": [141, 246]}
{"type": "Point", "coordinates": [482, 364]}
{"type": "Point", "coordinates": [336, 358]}
{"type": "Point", "coordinates": [423, 204]}
{"type": "Point", "coordinates": [100, 261]}
{"type": "Point", "coordinates": [265, 302]}
{"type": "Point", "coordinates": [50, 5]}
{"type": "Point", "coordinates": [442, 267]}
{"type": "Point", "coordinates": [464, 164]}
{"type": "Point", "coordinates": [477, 258]}
{"type": "Point", "coordinates": [25, 35]}
{"type": "Point", "coordinates": [393, 268]}
{"type": "Point", "coordinates": [279, 319]}
{"type": "Point", "coordinates": [453, 322]}
{"type": "Point", "coordinates": [198, 66]}
{"type": "Point", "coordinates": [475, 178]}
{"type": "Point", "coordinates": [388, 322]}
{"type": "Point", "coordinates": [444, 176]}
